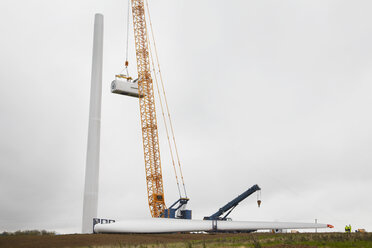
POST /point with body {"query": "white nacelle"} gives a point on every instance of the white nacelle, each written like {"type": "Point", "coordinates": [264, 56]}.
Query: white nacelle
{"type": "Point", "coordinates": [125, 87]}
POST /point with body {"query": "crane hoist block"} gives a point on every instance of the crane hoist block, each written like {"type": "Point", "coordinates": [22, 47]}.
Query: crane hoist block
{"type": "Point", "coordinates": [125, 86]}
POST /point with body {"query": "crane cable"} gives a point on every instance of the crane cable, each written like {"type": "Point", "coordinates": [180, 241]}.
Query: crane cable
{"type": "Point", "coordinates": [163, 115]}
{"type": "Point", "coordinates": [164, 119]}
{"type": "Point", "coordinates": [157, 86]}
{"type": "Point", "coordinates": [165, 98]}
{"type": "Point", "coordinates": [126, 51]}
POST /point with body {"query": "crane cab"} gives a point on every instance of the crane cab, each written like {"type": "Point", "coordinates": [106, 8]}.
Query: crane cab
{"type": "Point", "coordinates": [178, 212]}
{"type": "Point", "coordinates": [125, 85]}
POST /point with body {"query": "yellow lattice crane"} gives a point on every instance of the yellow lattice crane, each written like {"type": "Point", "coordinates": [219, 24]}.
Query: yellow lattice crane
{"type": "Point", "coordinates": [144, 90]}
{"type": "Point", "coordinates": [154, 178]}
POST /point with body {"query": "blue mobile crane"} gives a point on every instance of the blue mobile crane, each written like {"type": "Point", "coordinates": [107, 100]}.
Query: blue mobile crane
{"type": "Point", "coordinates": [229, 207]}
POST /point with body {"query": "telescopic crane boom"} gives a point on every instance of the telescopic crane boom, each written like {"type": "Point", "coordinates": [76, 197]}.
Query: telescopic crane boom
{"type": "Point", "coordinates": [229, 207]}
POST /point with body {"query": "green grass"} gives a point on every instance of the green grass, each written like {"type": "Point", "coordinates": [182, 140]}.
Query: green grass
{"type": "Point", "coordinates": [28, 232]}
{"type": "Point", "coordinates": [321, 240]}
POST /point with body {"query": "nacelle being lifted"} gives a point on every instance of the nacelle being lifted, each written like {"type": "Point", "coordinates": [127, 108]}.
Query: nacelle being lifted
{"type": "Point", "coordinates": [124, 85]}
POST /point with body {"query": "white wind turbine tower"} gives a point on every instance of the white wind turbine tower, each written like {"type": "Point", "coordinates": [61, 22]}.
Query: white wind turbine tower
{"type": "Point", "coordinates": [90, 204]}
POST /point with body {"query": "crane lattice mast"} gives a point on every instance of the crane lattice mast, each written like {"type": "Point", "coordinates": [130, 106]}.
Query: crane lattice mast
{"type": "Point", "coordinates": [154, 179]}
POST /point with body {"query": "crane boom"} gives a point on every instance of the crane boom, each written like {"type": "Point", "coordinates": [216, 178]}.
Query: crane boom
{"type": "Point", "coordinates": [232, 204]}
{"type": "Point", "coordinates": [154, 179]}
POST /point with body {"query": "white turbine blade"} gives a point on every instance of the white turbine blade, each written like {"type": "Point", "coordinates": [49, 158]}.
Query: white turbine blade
{"type": "Point", "coordinates": [160, 225]}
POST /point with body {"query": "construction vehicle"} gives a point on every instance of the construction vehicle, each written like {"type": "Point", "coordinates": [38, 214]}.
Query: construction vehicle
{"type": "Point", "coordinates": [230, 206]}
{"type": "Point", "coordinates": [143, 89]}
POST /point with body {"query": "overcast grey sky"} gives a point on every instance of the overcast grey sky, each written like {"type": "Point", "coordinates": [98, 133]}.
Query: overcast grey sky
{"type": "Point", "coordinates": [276, 93]}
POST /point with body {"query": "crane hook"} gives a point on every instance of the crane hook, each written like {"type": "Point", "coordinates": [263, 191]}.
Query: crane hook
{"type": "Point", "coordinates": [259, 198]}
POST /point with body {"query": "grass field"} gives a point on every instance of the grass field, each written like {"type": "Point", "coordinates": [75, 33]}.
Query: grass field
{"type": "Point", "coordinates": [255, 240]}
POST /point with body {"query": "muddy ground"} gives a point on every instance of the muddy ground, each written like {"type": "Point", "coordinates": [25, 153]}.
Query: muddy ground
{"type": "Point", "coordinates": [300, 240]}
{"type": "Point", "coordinates": [86, 240]}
